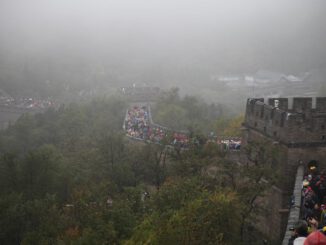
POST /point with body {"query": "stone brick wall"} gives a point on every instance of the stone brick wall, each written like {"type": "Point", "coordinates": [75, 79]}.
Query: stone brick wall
{"type": "Point", "coordinates": [297, 127]}
{"type": "Point", "coordinates": [302, 124]}
{"type": "Point", "coordinates": [270, 222]}
{"type": "Point", "coordinates": [321, 104]}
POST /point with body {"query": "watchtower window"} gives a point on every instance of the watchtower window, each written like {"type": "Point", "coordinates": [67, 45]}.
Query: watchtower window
{"type": "Point", "coordinates": [323, 137]}
{"type": "Point", "coordinates": [274, 133]}
{"type": "Point", "coordinates": [323, 127]}
{"type": "Point", "coordinates": [255, 124]}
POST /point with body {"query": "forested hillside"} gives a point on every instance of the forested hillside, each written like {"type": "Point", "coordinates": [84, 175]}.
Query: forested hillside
{"type": "Point", "coordinates": [69, 176]}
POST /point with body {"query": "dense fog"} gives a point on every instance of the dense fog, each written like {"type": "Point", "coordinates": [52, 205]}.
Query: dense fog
{"type": "Point", "coordinates": [90, 44]}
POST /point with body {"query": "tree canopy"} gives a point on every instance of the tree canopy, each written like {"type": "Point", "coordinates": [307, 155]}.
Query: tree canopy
{"type": "Point", "coordinates": [69, 176]}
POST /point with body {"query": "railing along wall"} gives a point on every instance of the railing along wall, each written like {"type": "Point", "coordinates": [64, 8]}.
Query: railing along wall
{"type": "Point", "coordinates": [294, 214]}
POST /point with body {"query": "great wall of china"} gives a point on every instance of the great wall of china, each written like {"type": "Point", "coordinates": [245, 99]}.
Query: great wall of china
{"type": "Point", "coordinates": [295, 126]}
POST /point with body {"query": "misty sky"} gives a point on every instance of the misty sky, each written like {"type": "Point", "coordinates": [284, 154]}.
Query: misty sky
{"type": "Point", "coordinates": [213, 35]}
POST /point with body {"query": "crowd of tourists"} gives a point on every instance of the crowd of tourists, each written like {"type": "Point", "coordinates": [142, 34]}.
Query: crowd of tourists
{"type": "Point", "coordinates": [138, 125]}
{"type": "Point", "coordinates": [226, 143]}
{"type": "Point", "coordinates": [312, 226]}
{"type": "Point", "coordinates": [307, 233]}
{"type": "Point", "coordinates": [314, 193]}
{"type": "Point", "coordinates": [233, 144]}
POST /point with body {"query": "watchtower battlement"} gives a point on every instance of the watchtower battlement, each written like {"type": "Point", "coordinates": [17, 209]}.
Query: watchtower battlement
{"type": "Point", "coordinates": [291, 121]}
{"type": "Point", "coordinates": [295, 129]}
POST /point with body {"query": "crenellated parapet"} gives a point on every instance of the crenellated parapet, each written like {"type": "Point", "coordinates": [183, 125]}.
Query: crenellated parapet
{"type": "Point", "coordinates": [302, 105]}
{"type": "Point", "coordinates": [281, 103]}
{"type": "Point", "coordinates": [290, 121]}
{"type": "Point", "coordinates": [321, 104]}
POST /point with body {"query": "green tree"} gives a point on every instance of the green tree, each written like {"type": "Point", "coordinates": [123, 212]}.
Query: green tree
{"type": "Point", "coordinates": [255, 179]}
{"type": "Point", "coordinates": [9, 173]}
{"type": "Point", "coordinates": [207, 219]}
{"type": "Point", "coordinates": [40, 172]}
{"type": "Point", "coordinates": [211, 219]}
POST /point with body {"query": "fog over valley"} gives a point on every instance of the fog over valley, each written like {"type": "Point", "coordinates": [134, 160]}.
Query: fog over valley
{"type": "Point", "coordinates": [83, 44]}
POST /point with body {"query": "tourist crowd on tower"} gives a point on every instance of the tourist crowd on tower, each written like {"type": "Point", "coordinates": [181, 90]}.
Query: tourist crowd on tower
{"type": "Point", "coordinates": [314, 194]}
{"type": "Point", "coordinates": [312, 226]}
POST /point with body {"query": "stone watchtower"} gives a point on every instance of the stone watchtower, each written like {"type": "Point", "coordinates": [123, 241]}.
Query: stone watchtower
{"type": "Point", "coordinates": [297, 127]}
{"type": "Point", "coordinates": [298, 124]}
